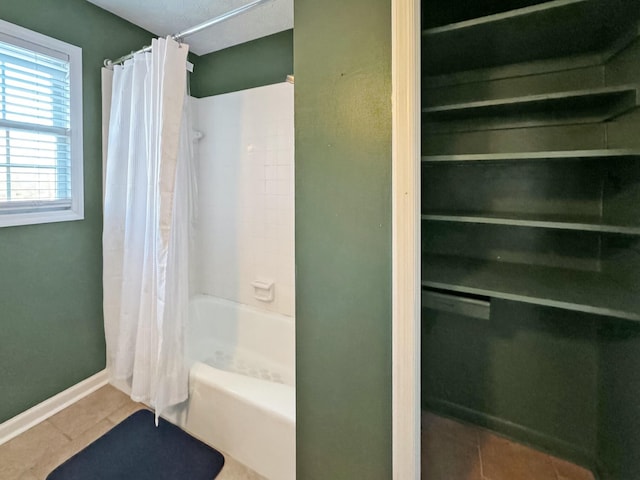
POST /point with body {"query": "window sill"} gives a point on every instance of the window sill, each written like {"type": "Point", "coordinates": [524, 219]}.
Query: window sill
{"type": "Point", "coordinates": [14, 220]}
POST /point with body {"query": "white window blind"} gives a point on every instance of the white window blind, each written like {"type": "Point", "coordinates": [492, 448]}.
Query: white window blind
{"type": "Point", "coordinates": [38, 157]}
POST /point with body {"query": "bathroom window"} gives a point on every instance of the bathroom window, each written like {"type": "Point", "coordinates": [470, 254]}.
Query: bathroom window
{"type": "Point", "coordinates": [40, 128]}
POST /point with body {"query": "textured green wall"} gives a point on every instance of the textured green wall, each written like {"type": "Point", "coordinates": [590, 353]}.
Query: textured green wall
{"type": "Point", "coordinates": [260, 62]}
{"type": "Point", "coordinates": [51, 283]}
{"type": "Point", "coordinates": [619, 401]}
{"type": "Point", "coordinates": [342, 63]}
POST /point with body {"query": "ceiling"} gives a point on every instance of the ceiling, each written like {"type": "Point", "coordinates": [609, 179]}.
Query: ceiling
{"type": "Point", "coordinates": [165, 17]}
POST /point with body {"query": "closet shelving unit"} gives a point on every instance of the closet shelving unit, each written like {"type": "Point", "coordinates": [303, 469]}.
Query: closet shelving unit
{"type": "Point", "coordinates": [580, 30]}
{"type": "Point", "coordinates": [580, 291]}
{"type": "Point", "coordinates": [529, 200]}
{"type": "Point", "coordinates": [533, 156]}
{"type": "Point", "coordinates": [594, 224]}
{"type": "Point", "coordinates": [558, 108]}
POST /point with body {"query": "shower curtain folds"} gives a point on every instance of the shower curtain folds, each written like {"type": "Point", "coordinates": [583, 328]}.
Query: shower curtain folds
{"type": "Point", "coordinates": [147, 213]}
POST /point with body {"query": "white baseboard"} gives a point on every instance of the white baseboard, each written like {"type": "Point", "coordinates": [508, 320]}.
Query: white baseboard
{"type": "Point", "coordinates": [25, 420]}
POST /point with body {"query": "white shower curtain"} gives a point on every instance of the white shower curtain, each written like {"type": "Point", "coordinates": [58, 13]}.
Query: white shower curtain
{"type": "Point", "coordinates": [147, 213]}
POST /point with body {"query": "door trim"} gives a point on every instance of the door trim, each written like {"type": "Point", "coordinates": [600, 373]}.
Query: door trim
{"type": "Point", "coordinates": [405, 59]}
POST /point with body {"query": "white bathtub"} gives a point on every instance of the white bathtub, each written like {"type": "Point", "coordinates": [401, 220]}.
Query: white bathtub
{"type": "Point", "coordinates": [242, 384]}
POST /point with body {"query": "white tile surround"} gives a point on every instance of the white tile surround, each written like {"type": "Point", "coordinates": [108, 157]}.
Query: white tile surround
{"type": "Point", "coordinates": [245, 229]}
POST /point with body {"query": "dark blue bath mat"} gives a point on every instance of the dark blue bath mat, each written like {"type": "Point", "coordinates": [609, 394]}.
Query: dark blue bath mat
{"type": "Point", "coordinates": [136, 450]}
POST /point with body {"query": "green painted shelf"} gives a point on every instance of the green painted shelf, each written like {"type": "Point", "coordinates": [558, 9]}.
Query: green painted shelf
{"type": "Point", "coordinates": [560, 222]}
{"type": "Point", "coordinates": [534, 156]}
{"type": "Point", "coordinates": [582, 291]}
{"type": "Point", "coordinates": [558, 108]}
{"type": "Point", "coordinates": [549, 30]}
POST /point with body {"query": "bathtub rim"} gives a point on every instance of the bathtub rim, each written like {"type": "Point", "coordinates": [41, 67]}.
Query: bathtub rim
{"type": "Point", "coordinates": [275, 399]}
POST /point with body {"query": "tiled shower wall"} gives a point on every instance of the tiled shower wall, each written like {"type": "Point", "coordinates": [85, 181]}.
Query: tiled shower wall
{"type": "Point", "coordinates": [245, 229]}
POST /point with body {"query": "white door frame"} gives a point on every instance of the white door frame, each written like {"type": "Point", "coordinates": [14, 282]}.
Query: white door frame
{"type": "Point", "coordinates": [405, 59]}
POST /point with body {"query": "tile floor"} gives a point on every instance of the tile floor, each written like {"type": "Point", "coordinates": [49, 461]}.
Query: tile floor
{"type": "Point", "coordinates": [450, 450]}
{"type": "Point", "coordinates": [457, 451]}
{"type": "Point", "coordinates": [35, 453]}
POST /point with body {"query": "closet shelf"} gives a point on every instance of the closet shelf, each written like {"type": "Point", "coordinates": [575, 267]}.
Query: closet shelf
{"type": "Point", "coordinates": [582, 291]}
{"type": "Point", "coordinates": [560, 222]}
{"type": "Point", "coordinates": [553, 29]}
{"type": "Point", "coordinates": [573, 107]}
{"type": "Point", "coordinates": [533, 156]}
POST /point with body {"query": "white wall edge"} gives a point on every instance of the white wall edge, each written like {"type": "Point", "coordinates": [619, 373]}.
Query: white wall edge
{"type": "Point", "coordinates": [29, 418]}
{"type": "Point", "coordinates": [405, 68]}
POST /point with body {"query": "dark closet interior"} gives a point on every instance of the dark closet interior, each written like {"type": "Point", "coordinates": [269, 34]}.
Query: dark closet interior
{"type": "Point", "coordinates": [531, 223]}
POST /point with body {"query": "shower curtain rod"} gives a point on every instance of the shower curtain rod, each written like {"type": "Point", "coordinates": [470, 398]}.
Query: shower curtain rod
{"type": "Point", "coordinates": [179, 36]}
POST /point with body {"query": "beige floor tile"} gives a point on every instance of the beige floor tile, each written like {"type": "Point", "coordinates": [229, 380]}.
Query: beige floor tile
{"type": "Point", "coordinates": [27, 476]}
{"type": "Point", "coordinates": [47, 464]}
{"type": "Point", "coordinates": [503, 459]}
{"type": "Point", "coordinates": [570, 471]}
{"type": "Point", "coordinates": [447, 457]}
{"type": "Point", "coordinates": [84, 414]}
{"type": "Point", "coordinates": [437, 426]}
{"type": "Point", "coordinates": [234, 470]}
{"type": "Point", "coordinates": [125, 411]}
{"type": "Point", "coordinates": [23, 452]}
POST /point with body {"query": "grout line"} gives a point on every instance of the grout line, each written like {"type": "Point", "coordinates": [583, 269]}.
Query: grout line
{"type": "Point", "coordinates": [477, 433]}
{"type": "Point", "coordinates": [59, 430]}
{"type": "Point", "coordinates": [480, 459]}
{"type": "Point", "coordinates": [555, 469]}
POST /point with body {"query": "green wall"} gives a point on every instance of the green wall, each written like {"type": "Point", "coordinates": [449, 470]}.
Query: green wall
{"type": "Point", "coordinates": [529, 372]}
{"type": "Point", "coordinates": [51, 282]}
{"type": "Point", "coordinates": [342, 63]}
{"type": "Point", "coordinates": [260, 62]}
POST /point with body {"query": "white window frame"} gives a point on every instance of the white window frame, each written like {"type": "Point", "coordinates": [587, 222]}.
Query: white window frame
{"type": "Point", "coordinates": [22, 37]}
